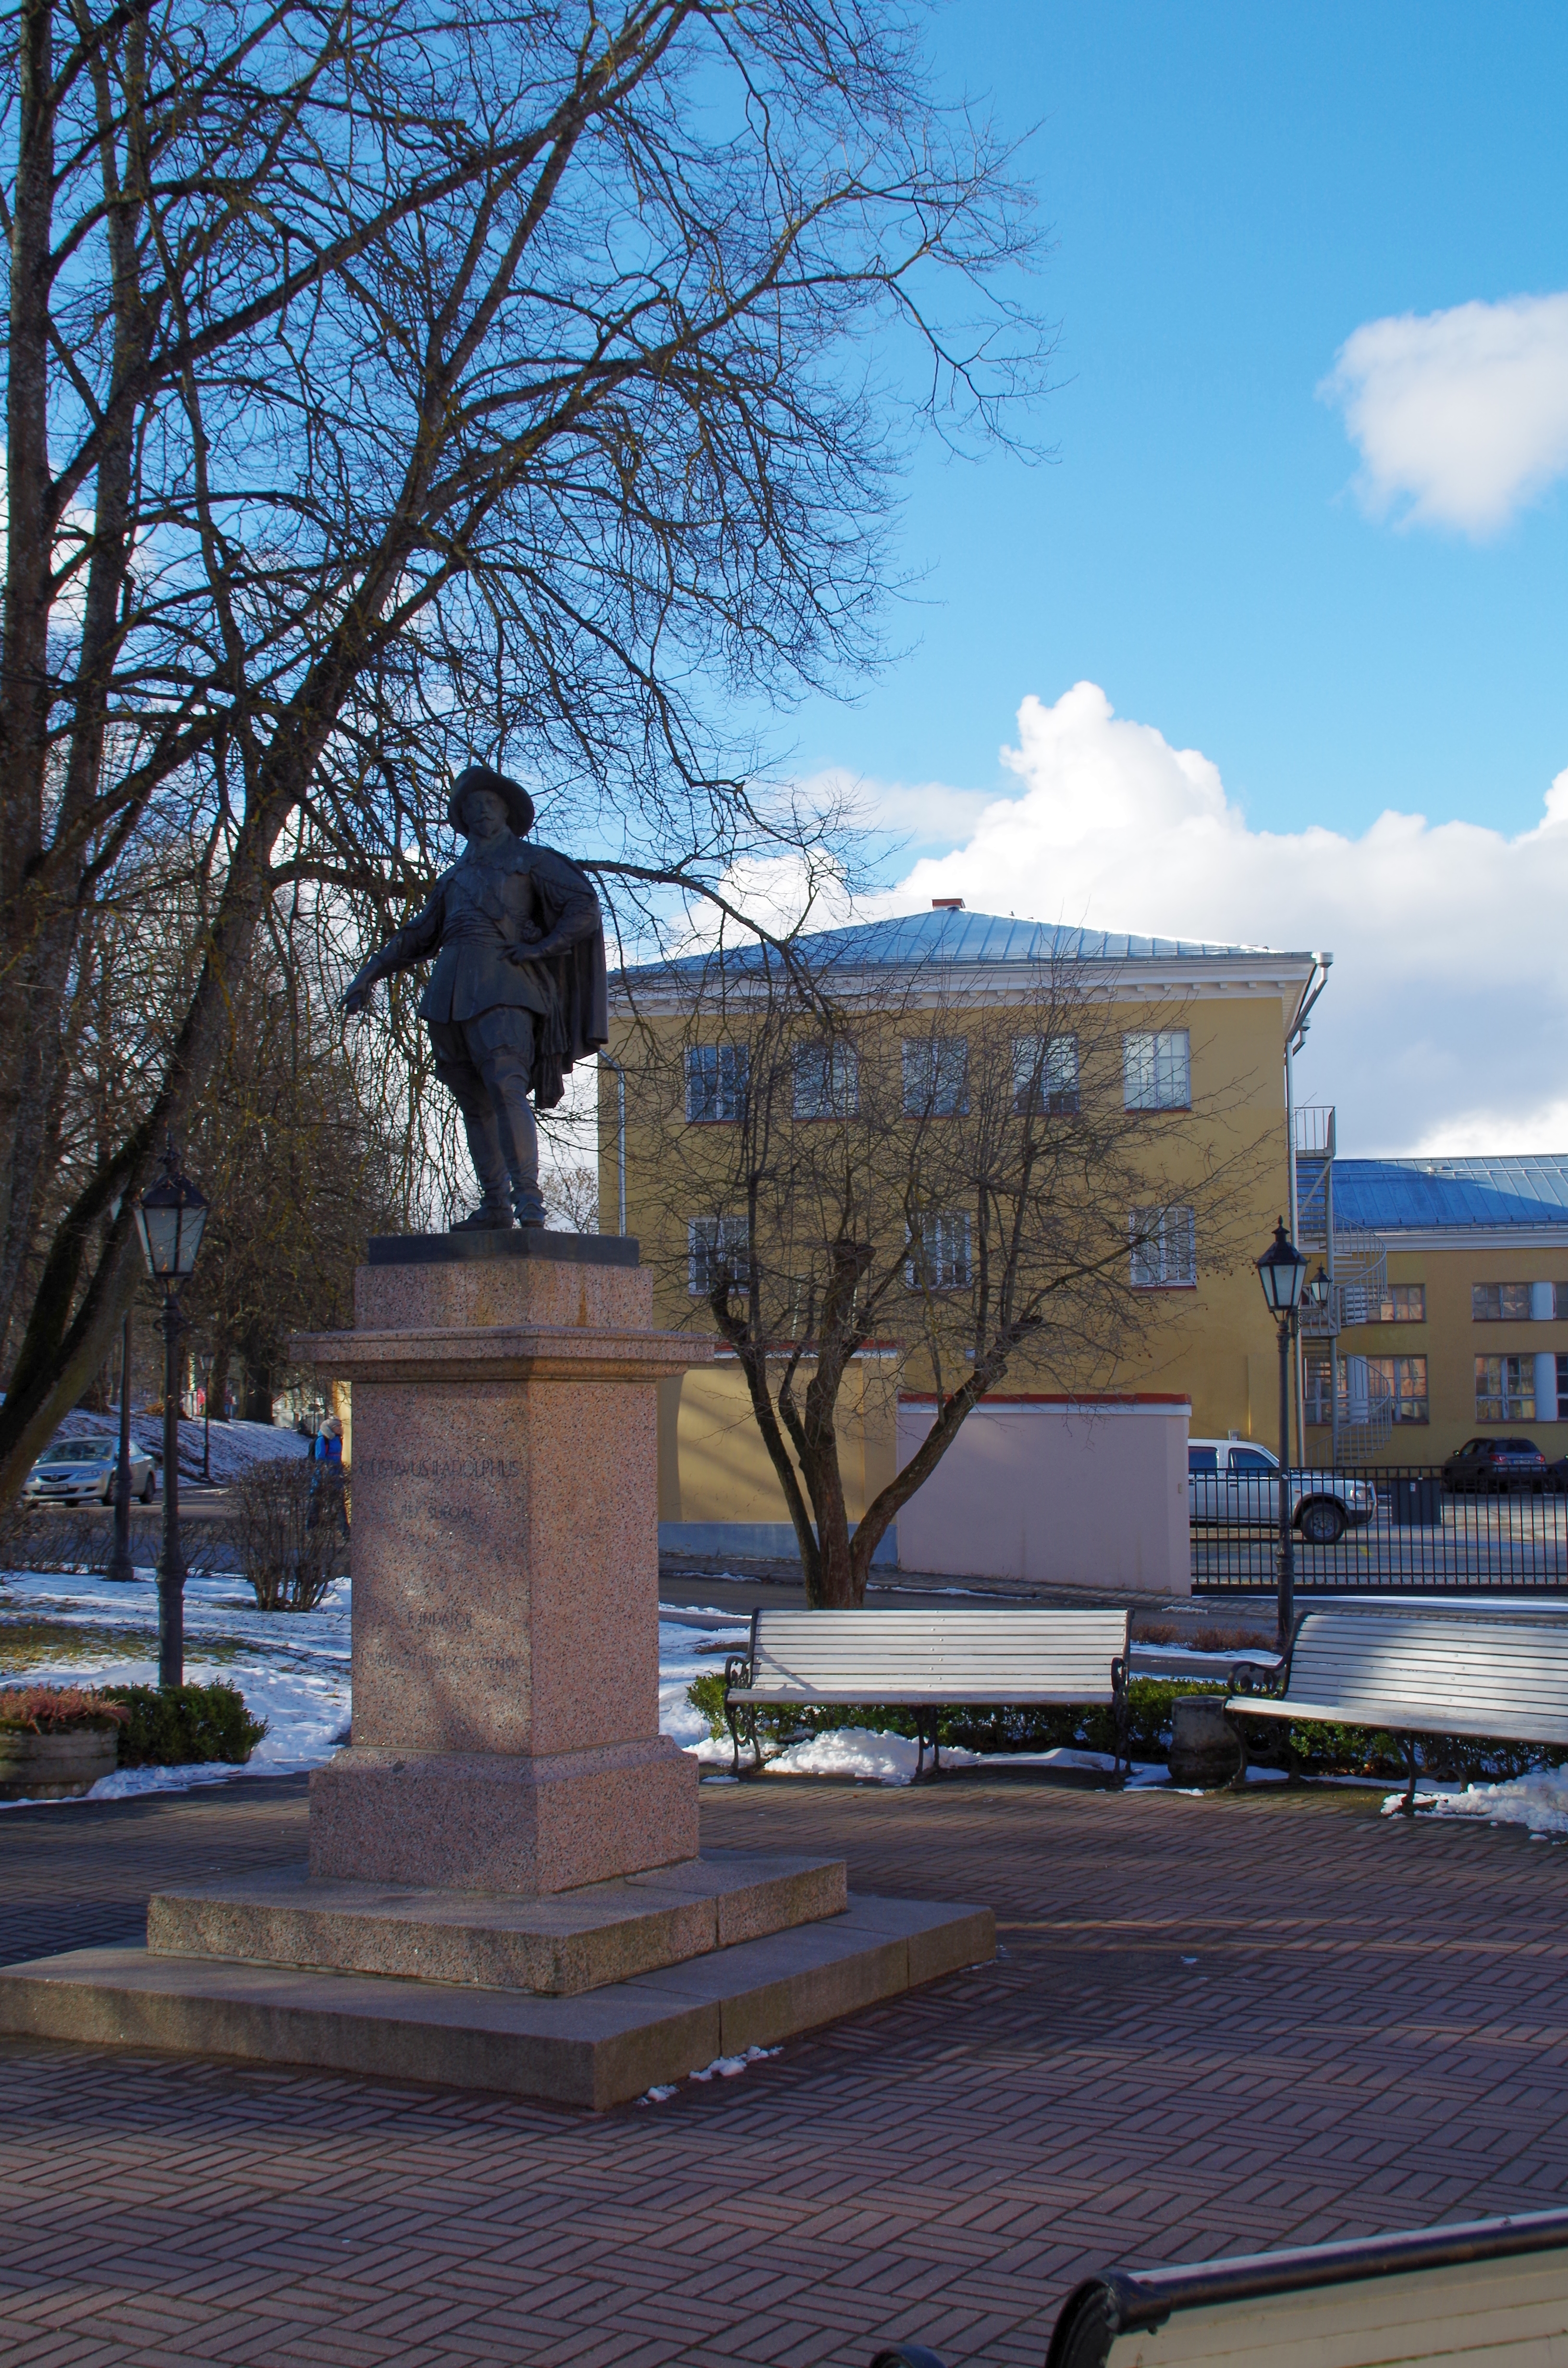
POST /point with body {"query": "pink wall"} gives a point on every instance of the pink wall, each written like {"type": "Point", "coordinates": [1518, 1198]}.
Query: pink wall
{"type": "Point", "coordinates": [1072, 1492]}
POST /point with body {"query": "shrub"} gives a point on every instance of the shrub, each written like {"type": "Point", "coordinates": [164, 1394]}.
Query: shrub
{"type": "Point", "coordinates": [53, 1709]}
{"type": "Point", "coordinates": [171, 1726]}
{"type": "Point", "coordinates": [290, 1528]}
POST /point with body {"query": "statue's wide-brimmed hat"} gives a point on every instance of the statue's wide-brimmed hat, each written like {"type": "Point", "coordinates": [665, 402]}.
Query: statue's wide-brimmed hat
{"type": "Point", "coordinates": [514, 797]}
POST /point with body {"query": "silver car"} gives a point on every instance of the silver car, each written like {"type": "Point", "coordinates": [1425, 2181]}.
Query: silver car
{"type": "Point", "coordinates": [1232, 1482]}
{"type": "Point", "coordinates": [81, 1471]}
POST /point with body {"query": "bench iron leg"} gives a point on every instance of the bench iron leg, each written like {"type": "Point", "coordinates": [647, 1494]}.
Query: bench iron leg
{"type": "Point", "coordinates": [1239, 1781]}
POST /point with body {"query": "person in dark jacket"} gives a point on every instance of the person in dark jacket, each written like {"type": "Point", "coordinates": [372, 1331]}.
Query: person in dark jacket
{"type": "Point", "coordinates": [519, 990]}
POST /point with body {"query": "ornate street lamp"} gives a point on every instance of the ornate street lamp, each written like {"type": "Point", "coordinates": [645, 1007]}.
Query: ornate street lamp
{"type": "Point", "coordinates": [1282, 1270]}
{"type": "Point", "coordinates": [169, 1220]}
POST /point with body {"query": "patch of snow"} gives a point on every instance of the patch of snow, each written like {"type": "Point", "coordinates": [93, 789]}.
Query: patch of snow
{"type": "Point", "coordinates": [862, 1752]}
{"type": "Point", "coordinates": [1538, 1800]}
{"type": "Point", "coordinates": [723, 2068]}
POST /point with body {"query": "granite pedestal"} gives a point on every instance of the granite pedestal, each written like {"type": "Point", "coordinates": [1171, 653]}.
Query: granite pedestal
{"type": "Point", "coordinates": [505, 1573]}
{"type": "Point", "coordinates": [504, 1888]}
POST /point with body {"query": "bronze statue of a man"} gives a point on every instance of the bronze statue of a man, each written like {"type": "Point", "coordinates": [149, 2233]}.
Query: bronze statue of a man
{"type": "Point", "coordinates": [519, 990]}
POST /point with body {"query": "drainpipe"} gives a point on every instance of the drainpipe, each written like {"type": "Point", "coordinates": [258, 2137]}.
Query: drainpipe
{"type": "Point", "coordinates": [605, 1063]}
{"type": "Point", "coordinates": [1295, 1230]}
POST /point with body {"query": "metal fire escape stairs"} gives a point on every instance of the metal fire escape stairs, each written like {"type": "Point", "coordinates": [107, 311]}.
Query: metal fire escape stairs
{"type": "Point", "coordinates": [1360, 1413]}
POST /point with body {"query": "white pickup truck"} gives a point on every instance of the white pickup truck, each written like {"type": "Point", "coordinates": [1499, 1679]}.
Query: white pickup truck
{"type": "Point", "coordinates": [1230, 1481]}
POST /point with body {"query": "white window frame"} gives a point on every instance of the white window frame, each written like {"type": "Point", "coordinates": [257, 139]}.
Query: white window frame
{"type": "Point", "coordinates": [936, 1077]}
{"type": "Point", "coordinates": [1156, 1068]}
{"type": "Point", "coordinates": [1058, 1075]}
{"type": "Point", "coordinates": [825, 1081]}
{"type": "Point", "coordinates": [1163, 1247]}
{"type": "Point", "coordinates": [941, 1232]}
{"type": "Point", "coordinates": [1510, 1404]}
{"type": "Point", "coordinates": [716, 1081]}
{"type": "Point", "coordinates": [1499, 1314]}
{"type": "Point", "coordinates": [706, 1237]}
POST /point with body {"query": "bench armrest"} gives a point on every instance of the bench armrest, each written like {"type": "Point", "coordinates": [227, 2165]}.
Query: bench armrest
{"type": "Point", "coordinates": [737, 1671]}
{"type": "Point", "coordinates": [1246, 1677]}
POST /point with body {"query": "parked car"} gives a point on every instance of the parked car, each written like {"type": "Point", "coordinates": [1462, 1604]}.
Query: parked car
{"type": "Point", "coordinates": [77, 1471]}
{"type": "Point", "coordinates": [1495, 1467]}
{"type": "Point", "coordinates": [1231, 1482]}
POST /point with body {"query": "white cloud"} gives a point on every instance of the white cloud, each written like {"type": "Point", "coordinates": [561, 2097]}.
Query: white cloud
{"type": "Point", "coordinates": [1461, 417]}
{"type": "Point", "coordinates": [1445, 1023]}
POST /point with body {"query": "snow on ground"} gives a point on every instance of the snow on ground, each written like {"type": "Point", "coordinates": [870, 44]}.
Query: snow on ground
{"type": "Point", "coordinates": [235, 1446]}
{"type": "Point", "coordinates": [291, 1667]}
{"type": "Point", "coordinates": [1538, 1801]}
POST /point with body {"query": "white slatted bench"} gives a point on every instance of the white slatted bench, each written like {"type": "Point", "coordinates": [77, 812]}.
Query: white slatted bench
{"type": "Point", "coordinates": [925, 1662]}
{"type": "Point", "coordinates": [1492, 2294]}
{"type": "Point", "coordinates": [1418, 1673]}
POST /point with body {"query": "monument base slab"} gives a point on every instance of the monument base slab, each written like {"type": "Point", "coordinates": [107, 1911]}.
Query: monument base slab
{"type": "Point", "coordinates": [597, 2050]}
{"type": "Point", "coordinates": [561, 1945]}
{"type": "Point", "coordinates": [501, 1821]}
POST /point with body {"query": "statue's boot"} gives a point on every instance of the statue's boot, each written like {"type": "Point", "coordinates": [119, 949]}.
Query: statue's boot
{"type": "Point", "coordinates": [489, 1217]}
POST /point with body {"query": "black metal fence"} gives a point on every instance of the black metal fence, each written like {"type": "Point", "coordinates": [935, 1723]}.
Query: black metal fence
{"type": "Point", "coordinates": [1422, 1539]}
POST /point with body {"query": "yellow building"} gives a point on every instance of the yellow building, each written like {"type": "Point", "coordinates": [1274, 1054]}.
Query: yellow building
{"type": "Point", "coordinates": [1452, 1303]}
{"type": "Point", "coordinates": [1197, 1032]}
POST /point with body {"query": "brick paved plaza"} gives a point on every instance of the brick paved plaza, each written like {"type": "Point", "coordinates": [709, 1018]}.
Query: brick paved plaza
{"type": "Point", "coordinates": [1373, 2033]}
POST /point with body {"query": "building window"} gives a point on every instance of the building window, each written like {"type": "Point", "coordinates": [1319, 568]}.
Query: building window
{"type": "Point", "coordinates": [936, 1077]}
{"type": "Point", "coordinates": [1156, 1069]}
{"type": "Point", "coordinates": [1402, 1302]}
{"type": "Point", "coordinates": [715, 1247]}
{"type": "Point", "coordinates": [715, 1079]}
{"type": "Point", "coordinates": [1401, 1382]}
{"type": "Point", "coordinates": [1318, 1376]}
{"type": "Point", "coordinates": [939, 1252]}
{"type": "Point", "coordinates": [827, 1081]}
{"type": "Point", "coordinates": [1499, 1303]}
{"type": "Point", "coordinates": [1562, 1389]}
{"type": "Point", "coordinates": [1504, 1388]}
{"type": "Point", "coordinates": [1164, 1248]}
{"type": "Point", "coordinates": [1045, 1074]}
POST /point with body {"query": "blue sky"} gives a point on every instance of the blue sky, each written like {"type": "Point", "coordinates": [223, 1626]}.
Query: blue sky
{"type": "Point", "coordinates": [1277, 656]}
{"type": "Point", "coordinates": [1231, 193]}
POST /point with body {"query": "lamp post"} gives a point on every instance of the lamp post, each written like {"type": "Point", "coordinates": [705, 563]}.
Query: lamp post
{"type": "Point", "coordinates": [120, 1565]}
{"type": "Point", "coordinates": [169, 1221]}
{"type": "Point", "coordinates": [1282, 1270]}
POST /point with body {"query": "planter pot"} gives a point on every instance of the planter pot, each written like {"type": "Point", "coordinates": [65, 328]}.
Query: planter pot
{"type": "Point", "coordinates": [1203, 1750]}
{"type": "Point", "coordinates": [59, 1767]}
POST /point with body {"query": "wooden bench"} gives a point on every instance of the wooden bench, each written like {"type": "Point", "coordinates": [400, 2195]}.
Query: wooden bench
{"type": "Point", "coordinates": [1486, 2292]}
{"type": "Point", "coordinates": [1417, 1673]}
{"type": "Point", "coordinates": [926, 1661]}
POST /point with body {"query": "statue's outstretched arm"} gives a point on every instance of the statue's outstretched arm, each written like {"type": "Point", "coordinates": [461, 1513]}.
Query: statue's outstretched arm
{"type": "Point", "coordinates": [415, 943]}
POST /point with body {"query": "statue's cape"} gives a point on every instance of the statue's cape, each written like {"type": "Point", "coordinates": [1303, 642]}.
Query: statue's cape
{"type": "Point", "coordinates": [580, 992]}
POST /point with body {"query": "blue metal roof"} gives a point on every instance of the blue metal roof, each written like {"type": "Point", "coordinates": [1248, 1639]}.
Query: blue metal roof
{"type": "Point", "coordinates": [908, 940]}
{"type": "Point", "coordinates": [1390, 1196]}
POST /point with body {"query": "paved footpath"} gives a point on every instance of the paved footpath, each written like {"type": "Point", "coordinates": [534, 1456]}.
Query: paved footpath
{"type": "Point", "coordinates": [1218, 2023]}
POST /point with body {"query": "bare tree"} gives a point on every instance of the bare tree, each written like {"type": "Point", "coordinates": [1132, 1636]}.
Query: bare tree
{"type": "Point", "coordinates": [388, 381]}
{"type": "Point", "coordinates": [965, 1185]}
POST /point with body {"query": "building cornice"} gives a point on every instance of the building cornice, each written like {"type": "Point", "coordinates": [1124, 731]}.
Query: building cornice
{"type": "Point", "coordinates": [1190, 978]}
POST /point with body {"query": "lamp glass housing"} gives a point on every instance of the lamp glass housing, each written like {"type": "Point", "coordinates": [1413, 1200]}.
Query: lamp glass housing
{"type": "Point", "coordinates": [1282, 1270]}
{"type": "Point", "coordinates": [170, 1219]}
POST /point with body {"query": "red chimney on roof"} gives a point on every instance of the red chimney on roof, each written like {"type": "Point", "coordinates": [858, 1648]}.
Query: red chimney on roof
{"type": "Point", "coordinates": [947, 904]}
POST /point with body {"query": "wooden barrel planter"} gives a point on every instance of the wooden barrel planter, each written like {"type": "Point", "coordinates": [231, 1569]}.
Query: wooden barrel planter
{"type": "Point", "coordinates": [58, 1766]}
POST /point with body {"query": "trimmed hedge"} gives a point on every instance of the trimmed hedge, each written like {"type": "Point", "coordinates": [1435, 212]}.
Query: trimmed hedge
{"type": "Point", "coordinates": [1321, 1750]}
{"type": "Point", "coordinates": [171, 1726]}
